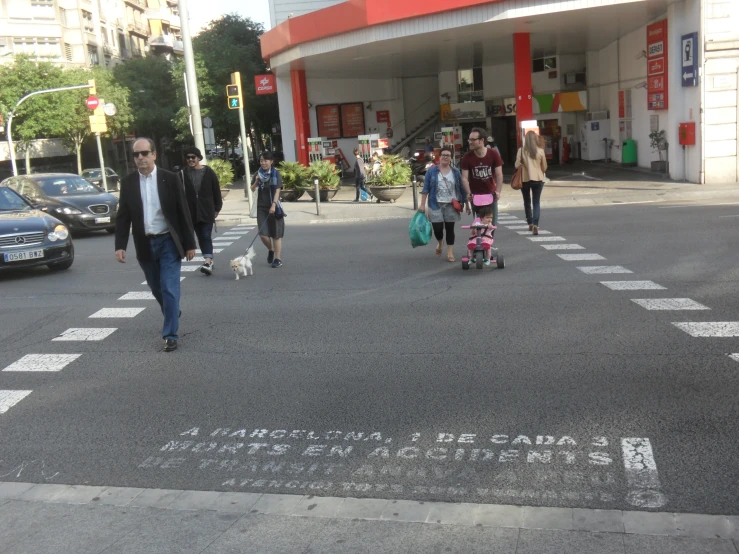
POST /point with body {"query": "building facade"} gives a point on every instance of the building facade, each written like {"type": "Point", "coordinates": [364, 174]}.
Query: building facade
{"type": "Point", "coordinates": [597, 76]}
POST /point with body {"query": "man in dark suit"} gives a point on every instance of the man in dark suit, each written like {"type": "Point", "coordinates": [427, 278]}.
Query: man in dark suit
{"type": "Point", "coordinates": [153, 202]}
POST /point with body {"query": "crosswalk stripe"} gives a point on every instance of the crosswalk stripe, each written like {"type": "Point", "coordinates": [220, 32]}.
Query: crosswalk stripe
{"type": "Point", "coordinates": [181, 279]}
{"type": "Point", "coordinates": [709, 328]}
{"type": "Point", "coordinates": [598, 269]}
{"type": "Point", "coordinates": [669, 304]}
{"type": "Point", "coordinates": [562, 246]}
{"type": "Point", "coordinates": [632, 285]}
{"type": "Point", "coordinates": [516, 227]}
{"type": "Point", "coordinates": [9, 398]}
{"type": "Point", "coordinates": [222, 243]}
{"type": "Point", "coordinates": [189, 268]}
{"type": "Point", "coordinates": [42, 362]}
{"type": "Point", "coordinates": [541, 232]}
{"type": "Point", "coordinates": [137, 295]}
{"type": "Point", "coordinates": [546, 239]}
{"type": "Point", "coordinates": [85, 334]}
{"type": "Point", "coordinates": [116, 313]}
{"type": "Point", "coordinates": [580, 257]}
{"type": "Point", "coordinates": [734, 357]}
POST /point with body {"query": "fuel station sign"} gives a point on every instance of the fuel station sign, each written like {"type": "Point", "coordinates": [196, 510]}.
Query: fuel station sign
{"type": "Point", "coordinates": [657, 62]}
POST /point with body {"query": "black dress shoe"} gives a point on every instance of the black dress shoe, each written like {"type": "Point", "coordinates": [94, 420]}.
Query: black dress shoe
{"type": "Point", "coordinates": [170, 345]}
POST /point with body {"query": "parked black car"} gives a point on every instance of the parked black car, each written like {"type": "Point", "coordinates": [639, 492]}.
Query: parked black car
{"type": "Point", "coordinates": [31, 237]}
{"type": "Point", "coordinates": [80, 205]}
{"type": "Point", "coordinates": [94, 176]}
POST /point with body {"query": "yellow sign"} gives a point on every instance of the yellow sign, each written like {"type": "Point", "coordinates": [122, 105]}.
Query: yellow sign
{"type": "Point", "coordinates": [98, 123]}
{"type": "Point", "coordinates": [445, 111]}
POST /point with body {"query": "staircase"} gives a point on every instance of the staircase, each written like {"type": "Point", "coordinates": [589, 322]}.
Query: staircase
{"type": "Point", "coordinates": [410, 136]}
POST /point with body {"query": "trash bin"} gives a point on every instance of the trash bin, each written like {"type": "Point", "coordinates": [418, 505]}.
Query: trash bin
{"type": "Point", "coordinates": [628, 152]}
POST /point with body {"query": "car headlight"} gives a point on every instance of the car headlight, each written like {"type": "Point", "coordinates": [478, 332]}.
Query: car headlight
{"type": "Point", "coordinates": [68, 211]}
{"type": "Point", "coordinates": [60, 232]}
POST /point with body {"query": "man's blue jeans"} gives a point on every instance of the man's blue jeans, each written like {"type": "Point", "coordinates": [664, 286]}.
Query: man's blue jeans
{"type": "Point", "coordinates": [162, 272]}
{"type": "Point", "coordinates": [204, 232]}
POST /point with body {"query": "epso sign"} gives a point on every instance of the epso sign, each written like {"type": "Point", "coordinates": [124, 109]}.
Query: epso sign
{"type": "Point", "coordinates": [502, 108]}
{"type": "Point", "coordinates": [265, 84]}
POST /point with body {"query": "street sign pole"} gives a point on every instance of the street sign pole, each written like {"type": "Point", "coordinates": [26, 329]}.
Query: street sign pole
{"type": "Point", "coordinates": [236, 80]}
{"type": "Point", "coordinates": [102, 162]}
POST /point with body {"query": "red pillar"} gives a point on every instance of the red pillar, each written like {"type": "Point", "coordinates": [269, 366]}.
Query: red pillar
{"type": "Point", "coordinates": [522, 71]}
{"type": "Point", "coordinates": [300, 110]}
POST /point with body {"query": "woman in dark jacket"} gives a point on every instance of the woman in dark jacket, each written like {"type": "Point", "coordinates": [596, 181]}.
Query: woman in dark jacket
{"type": "Point", "coordinates": [203, 192]}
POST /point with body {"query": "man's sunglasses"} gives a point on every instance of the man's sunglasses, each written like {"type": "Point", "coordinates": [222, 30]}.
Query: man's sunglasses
{"type": "Point", "coordinates": [143, 153]}
{"type": "Point", "coordinates": [191, 157]}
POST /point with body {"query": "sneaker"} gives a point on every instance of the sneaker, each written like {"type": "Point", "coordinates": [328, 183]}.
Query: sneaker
{"type": "Point", "coordinates": [207, 268]}
{"type": "Point", "coordinates": [531, 227]}
{"type": "Point", "coordinates": [277, 263]}
{"type": "Point", "coordinates": [271, 256]}
{"type": "Point", "coordinates": [487, 262]}
{"type": "Point", "coordinates": [170, 345]}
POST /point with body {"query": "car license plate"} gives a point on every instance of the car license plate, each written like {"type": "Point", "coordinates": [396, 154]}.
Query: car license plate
{"type": "Point", "coordinates": [102, 220]}
{"type": "Point", "coordinates": [26, 255]}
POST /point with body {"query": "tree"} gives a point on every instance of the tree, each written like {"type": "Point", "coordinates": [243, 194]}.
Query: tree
{"type": "Point", "coordinates": [153, 95]}
{"type": "Point", "coordinates": [73, 124]}
{"type": "Point", "coordinates": [206, 94]}
{"type": "Point", "coordinates": [230, 44]}
{"type": "Point", "coordinates": [34, 118]}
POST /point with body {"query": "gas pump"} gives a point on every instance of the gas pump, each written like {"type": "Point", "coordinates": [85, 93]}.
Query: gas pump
{"type": "Point", "coordinates": [451, 137]}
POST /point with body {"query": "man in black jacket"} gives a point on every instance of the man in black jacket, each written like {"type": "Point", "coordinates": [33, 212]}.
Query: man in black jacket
{"type": "Point", "coordinates": [204, 198]}
{"type": "Point", "coordinates": [153, 203]}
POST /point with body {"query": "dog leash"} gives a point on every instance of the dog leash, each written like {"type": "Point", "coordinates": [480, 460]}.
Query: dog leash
{"type": "Point", "coordinates": [254, 239]}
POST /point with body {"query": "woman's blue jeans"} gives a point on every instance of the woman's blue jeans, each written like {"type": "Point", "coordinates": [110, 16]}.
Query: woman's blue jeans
{"type": "Point", "coordinates": [532, 188]}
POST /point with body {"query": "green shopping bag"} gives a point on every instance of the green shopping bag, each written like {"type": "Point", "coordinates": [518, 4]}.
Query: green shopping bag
{"type": "Point", "coordinates": [420, 230]}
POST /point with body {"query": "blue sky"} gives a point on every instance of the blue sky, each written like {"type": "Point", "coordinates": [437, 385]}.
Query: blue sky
{"type": "Point", "coordinates": [202, 11]}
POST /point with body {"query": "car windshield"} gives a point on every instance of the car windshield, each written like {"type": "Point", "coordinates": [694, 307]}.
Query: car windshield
{"type": "Point", "coordinates": [10, 201]}
{"type": "Point", "coordinates": [91, 173]}
{"type": "Point", "coordinates": [66, 186]}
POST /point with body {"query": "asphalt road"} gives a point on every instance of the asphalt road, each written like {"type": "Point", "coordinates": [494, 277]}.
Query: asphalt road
{"type": "Point", "coordinates": [365, 368]}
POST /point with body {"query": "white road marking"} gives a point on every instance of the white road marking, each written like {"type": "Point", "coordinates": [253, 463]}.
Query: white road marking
{"type": "Point", "coordinates": [138, 295]}
{"type": "Point", "coordinates": [198, 259]}
{"type": "Point", "coordinates": [734, 357]}
{"type": "Point", "coordinates": [553, 238]}
{"type": "Point", "coordinates": [599, 269]}
{"type": "Point", "coordinates": [562, 246]}
{"type": "Point", "coordinates": [247, 225]}
{"type": "Point", "coordinates": [189, 268]}
{"type": "Point", "coordinates": [541, 232]}
{"type": "Point", "coordinates": [42, 362]}
{"type": "Point", "coordinates": [580, 257]}
{"type": "Point", "coordinates": [85, 334]}
{"type": "Point", "coordinates": [215, 251]}
{"type": "Point", "coordinates": [222, 243]}
{"type": "Point", "coordinates": [669, 304]}
{"type": "Point", "coordinates": [117, 312]}
{"type": "Point", "coordinates": [632, 285]}
{"type": "Point", "coordinates": [516, 227]}
{"type": "Point", "coordinates": [355, 219]}
{"type": "Point", "coordinates": [181, 279]}
{"type": "Point", "coordinates": [723, 216]}
{"type": "Point", "coordinates": [641, 474]}
{"type": "Point", "coordinates": [710, 328]}
{"type": "Point", "coordinates": [9, 398]}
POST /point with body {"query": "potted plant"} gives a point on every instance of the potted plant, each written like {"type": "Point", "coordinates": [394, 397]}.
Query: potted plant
{"type": "Point", "coordinates": [659, 143]}
{"type": "Point", "coordinates": [294, 177]}
{"type": "Point", "coordinates": [225, 174]}
{"type": "Point", "coordinates": [328, 180]}
{"type": "Point", "coordinates": [392, 180]}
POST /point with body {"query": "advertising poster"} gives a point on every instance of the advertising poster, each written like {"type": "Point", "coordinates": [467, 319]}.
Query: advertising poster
{"type": "Point", "coordinates": [352, 119]}
{"type": "Point", "coordinates": [329, 122]}
{"type": "Point", "coordinates": [657, 63]}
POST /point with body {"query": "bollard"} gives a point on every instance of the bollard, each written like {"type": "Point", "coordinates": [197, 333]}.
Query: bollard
{"type": "Point", "coordinates": [318, 197]}
{"type": "Point", "coordinates": [415, 194]}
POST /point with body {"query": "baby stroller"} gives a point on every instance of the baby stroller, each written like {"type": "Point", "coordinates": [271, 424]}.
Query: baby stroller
{"type": "Point", "coordinates": [481, 244]}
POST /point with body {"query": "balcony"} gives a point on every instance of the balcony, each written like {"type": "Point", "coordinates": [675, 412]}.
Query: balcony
{"type": "Point", "coordinates": [162, 41]}
{"type": "Point", "coordinates": [140, 4]}
{"type": "Point", "coordinates": [140, 29]}
{"type": "Point", "coordinates": [107, 49]}
{"type": "Point", "coordinates": [163, 14]}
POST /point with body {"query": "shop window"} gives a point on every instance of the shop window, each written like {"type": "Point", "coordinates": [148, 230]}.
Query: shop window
{"type": "Point", "coordinates": [543, 64]}
{"type": "Point", "coordinates": [470, 85]}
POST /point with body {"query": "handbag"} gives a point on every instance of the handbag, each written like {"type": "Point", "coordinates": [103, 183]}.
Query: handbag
{"type": "Point", "coordinates": [279, 212]}
{"type": "Point", "coordinates": [456, 205]}
{"type": "Point", "coordinates": [517, 179]}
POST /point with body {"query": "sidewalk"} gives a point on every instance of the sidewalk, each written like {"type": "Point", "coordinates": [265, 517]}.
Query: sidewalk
{"type": "Point", "coordinates": [63, 519]}
{"type": "Point", "coordinates": [568, 188]}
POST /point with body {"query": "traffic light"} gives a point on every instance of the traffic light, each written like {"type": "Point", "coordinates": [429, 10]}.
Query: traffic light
{"type": "Point", "coordinates": [233, 93]}
{"type": "Point", "coordinates": [92, 90]}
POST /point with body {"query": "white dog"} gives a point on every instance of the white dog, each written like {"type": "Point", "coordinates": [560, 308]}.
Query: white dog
{"type": "Point", "coordinates": [243, 264]}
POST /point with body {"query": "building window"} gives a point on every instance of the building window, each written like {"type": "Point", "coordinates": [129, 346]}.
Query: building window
{"type": "Point", "coordinates": [470, 85]}
{"type": "Point", "coordinates": [67, 51]}
{"type": "Point", "coordinates": [63, 17]}
{"type": "Point", "coordinates": [87, 21]}
{"type": "Point", "coordinates": [543, 64]}
{"type": "Point", "coordinates": [37, 47]}
{"type": "Point", "coordinates": [92, 55]}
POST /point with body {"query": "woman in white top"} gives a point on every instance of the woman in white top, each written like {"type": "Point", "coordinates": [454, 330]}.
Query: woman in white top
{"type": "Point", "coordinates": [534, 161]}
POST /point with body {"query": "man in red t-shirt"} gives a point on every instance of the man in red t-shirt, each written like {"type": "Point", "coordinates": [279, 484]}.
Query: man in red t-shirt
{"type": "Point", "coordinates": [482, 170]}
